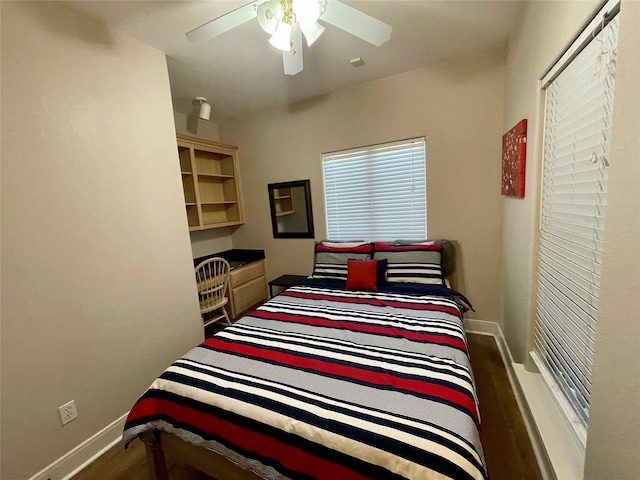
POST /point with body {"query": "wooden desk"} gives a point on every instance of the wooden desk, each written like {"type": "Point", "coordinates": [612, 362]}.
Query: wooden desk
{"type": "Point", "coordinates": [247, 287]}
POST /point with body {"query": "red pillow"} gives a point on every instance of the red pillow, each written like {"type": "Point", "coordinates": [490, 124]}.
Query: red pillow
{"type": "Point", "coordinates": [361, 274]}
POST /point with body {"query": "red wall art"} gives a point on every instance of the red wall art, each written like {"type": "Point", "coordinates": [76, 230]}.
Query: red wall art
{"type": "Point", "coordinates": [514, 156]}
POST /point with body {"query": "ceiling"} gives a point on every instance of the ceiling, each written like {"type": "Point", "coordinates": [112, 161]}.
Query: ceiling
{"type": "Point", "coordinates": [239, 72]}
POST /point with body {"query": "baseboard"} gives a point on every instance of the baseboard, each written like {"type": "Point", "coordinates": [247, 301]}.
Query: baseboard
{"type": "Point", "coordinates": [483, 327]}
{"type": "Point", "coordinates": [480, 327]}
{"type": "Point", "coordinates": [78, 458]}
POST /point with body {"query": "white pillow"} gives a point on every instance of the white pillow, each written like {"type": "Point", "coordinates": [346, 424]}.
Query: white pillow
{"type": "Point", "coordinates": [343, 244]}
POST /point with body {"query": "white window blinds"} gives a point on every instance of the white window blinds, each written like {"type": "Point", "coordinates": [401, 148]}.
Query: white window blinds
{"type": "Point", "coordinates": [377, 192]}
{"type": "Point", "coordinates": [577, 133]}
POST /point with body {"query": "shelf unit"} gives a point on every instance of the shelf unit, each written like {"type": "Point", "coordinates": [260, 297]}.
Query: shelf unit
{"type": "Point", "coordinates": [211, 183]}
{"type": "Point", "coordinates": [284, 202]}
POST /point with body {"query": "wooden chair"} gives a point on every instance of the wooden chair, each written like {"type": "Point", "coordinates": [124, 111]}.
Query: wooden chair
{"type": "Point", "coordinates": [212, 279]}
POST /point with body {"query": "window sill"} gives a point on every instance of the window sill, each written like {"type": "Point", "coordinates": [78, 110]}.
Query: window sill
{"type": "Point", "coordinates": [565, 453]}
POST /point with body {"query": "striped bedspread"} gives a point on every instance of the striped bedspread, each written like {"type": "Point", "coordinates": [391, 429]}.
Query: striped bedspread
{"type": "Point", "coordinates": [328, 384]}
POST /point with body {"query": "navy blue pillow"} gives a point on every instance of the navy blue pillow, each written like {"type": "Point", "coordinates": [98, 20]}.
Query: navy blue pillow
{"type": "Point", "coordinates": [381, 273]}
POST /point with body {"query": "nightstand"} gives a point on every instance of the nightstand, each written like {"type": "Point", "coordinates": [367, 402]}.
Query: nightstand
{"type": "Point", "coordinates": [284, 281]}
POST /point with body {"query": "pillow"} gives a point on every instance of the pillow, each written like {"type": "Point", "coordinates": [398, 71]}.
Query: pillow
{"type": "Point", "coordinates": [331, 262]}
{"type": "Point", "coordinates": [413, 242]}
{"type": "Point", "coordinates": [339, 244]}
{"type": "Point", "coordinates": [416, 263]}
{"type": "Point", "coordinates": [448, 252]}
{"type": "Point", "coordinates": [381, 271]}
{"type": "Point", "coordinates": [381, 277]}
{"type": "Point", "coordinates": [362, 274]}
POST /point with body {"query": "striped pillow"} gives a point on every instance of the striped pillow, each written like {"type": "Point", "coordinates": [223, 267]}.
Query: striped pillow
{"type": "Point", "coordinates": [331, 262]}
{"type": "Point", "coordinates": [417, 263]}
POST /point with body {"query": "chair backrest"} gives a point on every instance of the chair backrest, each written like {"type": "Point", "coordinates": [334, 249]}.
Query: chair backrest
{"type": "Point", "coordinates": [212, 279]}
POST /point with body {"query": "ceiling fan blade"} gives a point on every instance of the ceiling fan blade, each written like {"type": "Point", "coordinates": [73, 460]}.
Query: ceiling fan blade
{"type": "Point", "coordinates": [222, 24]}
{"type": "Point", "coordinates": [356, 23]}
{"type": "Point", "coordinates": [292, 60]}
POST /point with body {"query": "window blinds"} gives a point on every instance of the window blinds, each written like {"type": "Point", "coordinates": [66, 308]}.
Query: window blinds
{"type": "Point", "coordinates": [377, 192]}
{"type": "Point", "coordinates": [579, 103]}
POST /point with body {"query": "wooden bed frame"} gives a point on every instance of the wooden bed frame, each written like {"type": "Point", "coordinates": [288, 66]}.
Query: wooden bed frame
{"type": "Point", "coordinates": [160, 445]}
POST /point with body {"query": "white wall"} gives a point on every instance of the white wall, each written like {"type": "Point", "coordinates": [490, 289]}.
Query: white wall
{"type": "Point", "coordinates": [456, 105]}
{"type": "Point", "coordinates": [98, 293]}
{"type": "Point", "coordinates": [542, 33]}
{"type": "Point", "coordinates": [214, 240]}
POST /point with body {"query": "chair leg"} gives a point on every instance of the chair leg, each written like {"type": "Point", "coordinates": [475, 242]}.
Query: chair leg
{"type": "Point", "coordinates": [226, 317]}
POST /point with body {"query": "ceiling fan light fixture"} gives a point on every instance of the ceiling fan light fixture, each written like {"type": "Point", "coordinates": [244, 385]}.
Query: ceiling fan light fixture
{"type": "Point", "coordinates": [269, 15]}
{"type": "Point", "coordinates": [312, 32]}
{"type": "Point", "coordinates": [281, 39]}
{"type": "Point", "coordinates": [307, 12]}
{"type": "Point", "coordinates": [287, 21]}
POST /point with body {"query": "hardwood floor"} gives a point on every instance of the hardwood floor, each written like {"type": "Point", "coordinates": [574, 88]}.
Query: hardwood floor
{"type": "Point", "coordinates": [131, 464]}
{"type": "Point", "coordinates": [507, 449]}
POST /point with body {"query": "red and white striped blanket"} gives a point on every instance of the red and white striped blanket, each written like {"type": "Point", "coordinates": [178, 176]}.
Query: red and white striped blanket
{"type": "Point", "coordinates": [328, 384]}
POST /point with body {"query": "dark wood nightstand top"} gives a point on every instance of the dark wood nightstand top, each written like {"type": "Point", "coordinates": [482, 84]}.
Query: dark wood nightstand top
{"type": "Point", "coordinates": [285, 281]}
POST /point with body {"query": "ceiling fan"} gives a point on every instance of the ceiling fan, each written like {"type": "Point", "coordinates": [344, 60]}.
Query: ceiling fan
{"type": "Point", "coordinates": [287, 21]}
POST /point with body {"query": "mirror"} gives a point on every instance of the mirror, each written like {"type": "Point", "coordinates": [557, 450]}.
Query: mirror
{"type": "Point", "coordinates": [291, 214]}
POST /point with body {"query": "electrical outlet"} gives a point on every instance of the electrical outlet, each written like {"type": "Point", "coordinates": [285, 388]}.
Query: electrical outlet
{"type": "Point", "coordinates": [68, 412]}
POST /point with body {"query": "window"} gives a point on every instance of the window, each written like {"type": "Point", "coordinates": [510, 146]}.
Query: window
{"type": "Point", "coordinates": [377, 192]}
{"type": "Point", "coordinates": [577, 133]}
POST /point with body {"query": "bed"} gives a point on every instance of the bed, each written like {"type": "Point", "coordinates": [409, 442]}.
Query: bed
{"type": "Point", "coordinates": [328, 381]}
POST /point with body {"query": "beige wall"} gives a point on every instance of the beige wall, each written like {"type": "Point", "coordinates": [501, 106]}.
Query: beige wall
{"type": "Point", "coordinates": [195, 127]}
{"type": "Point", "coordinates": [213, 240]}
{"type": "Point", "coordinates": [210, 241]}
{"type": "Point", "coordinates": [544, 30]}
{"type": "Point", "coordinates": [613, 444]}
{"type": "Point", "coordinates": [457, 106]}
{"type": "Point", "coordinates": [98, 294]}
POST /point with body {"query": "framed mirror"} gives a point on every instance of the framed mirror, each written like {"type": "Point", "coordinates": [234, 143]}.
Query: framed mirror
{"type": "Point", "coordinates": [291, 213]}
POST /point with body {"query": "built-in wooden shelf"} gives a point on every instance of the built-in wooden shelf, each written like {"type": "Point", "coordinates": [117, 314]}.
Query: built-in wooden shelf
{"type": "Point", "coordinates": [214, 175]}
{"type": "Point", "coordinates": [211, 183]}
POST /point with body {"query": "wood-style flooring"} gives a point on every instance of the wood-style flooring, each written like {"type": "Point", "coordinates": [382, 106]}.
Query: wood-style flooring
{"type": "Point", "coordinates": [507, 449]}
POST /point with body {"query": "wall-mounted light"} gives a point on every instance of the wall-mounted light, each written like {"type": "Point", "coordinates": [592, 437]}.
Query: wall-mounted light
{"type": "Point", "coordinates": [205, 108]}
